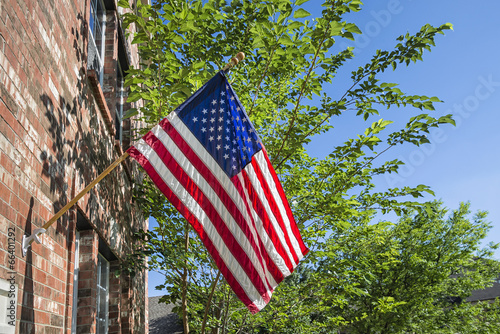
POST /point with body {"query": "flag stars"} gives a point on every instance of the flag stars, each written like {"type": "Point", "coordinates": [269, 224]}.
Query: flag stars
{"type": "Point", "coordinates": [218, 147]}
{"type": "Point", "coordinates": [204, 120]}
{"type": "Point", "coordinates": [203, 129]}
{"type": "Point", "coordinates": [214, 102]}
{"type": "Point", "coordinates": [195, 119]}
{"type": "Point", "coordinates": [232, 98]}
{"type": "Point", "coordinates": [226, 156]}
{"type": "Point", "coordinates": [213, 111]}
{"type": "Point", "coordinates": [226, 146]}
{"type": "Point", "coordinates": [204, 111]}
{"type": "Point", "coordinates": [219, 137]}
{"type": "Point", "coordinates": [211, 129]}
{"type": "Point", "coordinates": [221, 119]}
{"type": "Point", "coordinates": [211, 138]}
{"type": "Point", "coordinates": [219, 128]}
{"type": "Point", "coordinates": [222, 93]}
{"type": "Point", "coordinates": [212, 120]}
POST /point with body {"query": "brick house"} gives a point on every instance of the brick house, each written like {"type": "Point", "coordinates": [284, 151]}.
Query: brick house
{"type": "Point", "coordinates": [61, 102]}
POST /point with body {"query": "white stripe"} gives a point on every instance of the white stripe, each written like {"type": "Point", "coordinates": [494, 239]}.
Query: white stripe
{"type": "Point", "coordinates": [264, 167]}
{"type": "Point", "coordinates": [226, 216]}
{"type": "Point", "coordinates": [190, 203]}
{"type": "Point", "coordinates": [266, 240]}
{"type": "Point", "coordinates": [260, 193]}
{"type": "Point", "coordinates": [231, 190]}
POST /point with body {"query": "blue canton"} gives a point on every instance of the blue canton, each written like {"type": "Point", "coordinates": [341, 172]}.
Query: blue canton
{"type": "Point", "coordinates": [216, 117]}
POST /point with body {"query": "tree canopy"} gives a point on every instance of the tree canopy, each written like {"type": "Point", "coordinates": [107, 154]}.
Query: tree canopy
{"type": "Point", "coordinates": [289, 86]}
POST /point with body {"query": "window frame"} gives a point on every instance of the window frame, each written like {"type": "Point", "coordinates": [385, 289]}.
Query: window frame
{"type": "Point", "coordinates": [102, 260]}
{"type": "Point", "coordinates": [101, 24]}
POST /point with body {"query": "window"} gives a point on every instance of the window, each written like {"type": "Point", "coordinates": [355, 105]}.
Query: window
{"type": "Point", "coordinates": [75, 282]}
{"type": "Point", "coordinates": [102, 294]}
{"type": "Point", "coordinates": [97, 27]}
{"type": "Point", "coordinates": [119, 103]}
{"type": "Point", "coordinates": [8, 306]}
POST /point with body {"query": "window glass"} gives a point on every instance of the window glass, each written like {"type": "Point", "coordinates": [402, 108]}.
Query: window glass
{"type": "Point", "coordinates": [102, 294]}
{"type": "Point", "coordinates": [97, 22]}
{"type": "Point", "coordinates": [119, 103]}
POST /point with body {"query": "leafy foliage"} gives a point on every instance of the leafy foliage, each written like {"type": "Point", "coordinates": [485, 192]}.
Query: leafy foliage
{"type": "Point", "coordinates": [291, 60]}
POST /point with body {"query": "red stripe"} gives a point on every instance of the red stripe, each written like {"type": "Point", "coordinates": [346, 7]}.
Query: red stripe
{"type": "Point", "coordinates": [274, 207]}
{"type": "Point", "coordinates": [266, 222]}
{"type": "Point", "coordinates": [226, 200]}
{"type": "Point", "coordinates": [196, 225]}
{"type": "Point", "coordinates": [293, 224]}
{"type": "Point", "coordinates": [278, 275]}
{"type": "Point", "coordinates": [204, 202]}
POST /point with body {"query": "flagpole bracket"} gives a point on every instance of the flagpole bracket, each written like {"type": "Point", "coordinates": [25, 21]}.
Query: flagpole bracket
{"type": "Point", "coordinates": [28, 240]}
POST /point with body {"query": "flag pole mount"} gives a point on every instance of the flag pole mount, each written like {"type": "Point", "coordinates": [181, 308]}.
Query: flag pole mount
{"type": "Point", "coordinates": [27, 241]}
{"type": "Point", "coordinates": [234, 61]}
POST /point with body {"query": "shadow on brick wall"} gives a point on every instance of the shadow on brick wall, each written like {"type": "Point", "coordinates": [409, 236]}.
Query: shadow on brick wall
{"type": "Point", "coordinates": [27, 306]}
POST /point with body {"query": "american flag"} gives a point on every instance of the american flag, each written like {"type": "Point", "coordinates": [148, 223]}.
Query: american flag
{"type": "Point", "coordinates": [207, 159]}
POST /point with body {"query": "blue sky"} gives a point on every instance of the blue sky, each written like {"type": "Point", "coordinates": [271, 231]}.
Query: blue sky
{"type": "Point", "coordinates": [463, 70]}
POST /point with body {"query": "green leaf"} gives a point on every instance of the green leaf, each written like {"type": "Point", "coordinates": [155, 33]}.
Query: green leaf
{"type": "Point", "coordinates": [301, 13]}
{"type": "Point", "coordinates": [130, 113]}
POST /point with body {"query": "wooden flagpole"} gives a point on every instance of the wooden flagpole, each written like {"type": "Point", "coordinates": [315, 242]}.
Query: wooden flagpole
{"type": "Point", "coordinates": [28, 240]}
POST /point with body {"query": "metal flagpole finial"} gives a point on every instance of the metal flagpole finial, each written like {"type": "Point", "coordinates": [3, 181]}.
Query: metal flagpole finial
{"type": "Point", "coordinates": [234, 61]}
{"type": "Point", "coordinates": [27, 241]}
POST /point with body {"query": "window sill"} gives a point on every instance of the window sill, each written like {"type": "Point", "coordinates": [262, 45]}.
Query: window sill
{"type": "Point", "coordinates": [101, 101]}
{"type": "Point", "coordinates": [106, 114]}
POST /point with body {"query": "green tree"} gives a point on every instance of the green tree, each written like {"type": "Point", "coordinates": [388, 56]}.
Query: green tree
{"type": "Point", "coordinates": [292, 59]}
{"type": "Point", "coordinates": [415, 275]}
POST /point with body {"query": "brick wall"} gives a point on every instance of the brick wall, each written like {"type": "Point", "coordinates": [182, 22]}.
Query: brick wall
{"type": "Point", "coordinates": [55, 137]}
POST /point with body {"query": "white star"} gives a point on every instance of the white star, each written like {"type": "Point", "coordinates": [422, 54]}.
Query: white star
{"type": "Point", "coordinates": [238, 108]}
{"type": "Point", "coordinates": [218, 147]}
{"type": "Point", "coordinates": [234, 159]}
{"type": "Point", "coordinates": [211, 129]}
{"type": "Point", "coordinates": [227, 138]}
{"type": "Point", "coordinates": [249, 139]}
{"type": "Point", "coordinates": [221, 119]}
{"type": "Point", "coordinates": [234, 167]}
{"type": "Point", "coordinates": [211, 138]}
{"type": "Point", "coordinates": [251, 130]}
{"type": "Point", "coordinates": [212, 120]}
{"type": "Point", "coordinates": [203, 130]}
{"type": "Point", "coordinates": [244, 119]}
{"type": "Point", "coordinates": [228, 122]}
{"type": "Point", "coordinates": [226, 156]}
{"type": "Point", "coordinates": [227, 130]}
{"type": "Point", "coordinates": [244, 148]}
{"type": "Point", "coordinates": [219, 137]}
{"type": "Point", "coordinates": [232, 98]}
{"type": "Point", "coordinates": [213, 111]}
{"type": "Point", "coordinates": [237, 128]}
{"type": "Point", "coordinates": [219, 128]}
{"type": "Point", "coordinates": [195, 119]}
{"type": "Point", "coordinates": [214, 102]}
{"type": "Point", "coordinates": [204, 111]}
{"type": "Point", "coordinates": [226, 147]}
{"type": "Point", "coordinates": [222, 102]}
{"type": "Point", "coordinates": [237, 118]}
{"type": "Point", "coordinates": [234, 142]}
{"type": "Point", "coordinates": [221, 110]}
{"type": "Point", "coordinates": [204, 120]}
{"type": "Point", "coordinates": [234, 150]}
